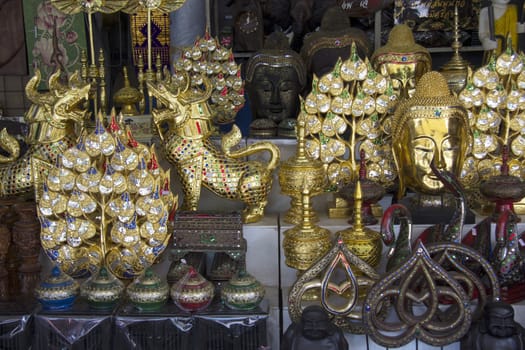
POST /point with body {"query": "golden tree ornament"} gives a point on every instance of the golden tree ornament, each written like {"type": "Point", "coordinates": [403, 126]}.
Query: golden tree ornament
{"type": "Point", "coordinates": [346, 112]}
{"type": "Point", "coordinates": [208, 58]}
{"type": "Point", "coordinates": [495, 99]}
{"type": "Point", "coordinates": [106, 203]}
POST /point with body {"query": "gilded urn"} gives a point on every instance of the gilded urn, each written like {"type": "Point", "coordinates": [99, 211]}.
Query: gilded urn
{"type": "Point", "coordinates": [192, 292]}
{"type": "Point", "coordinates": [148, 292]}
{"type": "Point", "coordinates": [242, 292]}
{"type": "Point", "coordinates": [297, 171]}
{"type": "Point", "coordinates": [102, 290]}
{"type": "Point", "coordinates": [127, 97]}
{"type": "Point", "coordinates": [58, 291]}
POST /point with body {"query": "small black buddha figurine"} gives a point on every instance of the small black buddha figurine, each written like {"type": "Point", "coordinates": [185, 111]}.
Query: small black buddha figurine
{"type": "Point", "coordinates": [497, 330]}
{"type": "Point", "coordinates": [275, 77]}
{"type": "Point", "coordinates": [313, 332]}
{"type": "Point", "coordinates": [334, 39]}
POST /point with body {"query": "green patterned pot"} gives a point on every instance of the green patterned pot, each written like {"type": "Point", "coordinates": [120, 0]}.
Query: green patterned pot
{"type": "Point", "coordinates": [242, 292]}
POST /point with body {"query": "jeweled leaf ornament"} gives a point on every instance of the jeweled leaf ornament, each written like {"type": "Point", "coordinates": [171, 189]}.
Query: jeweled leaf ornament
{"type": "Point", "coordinates": [343, 278]}
{"type": "Point", "coordinates": [208, 58]}
{"type": "Point", "coordinates": [105, 203]}
{"type": "Point", "coordinates": [416, 304]}
{"type": "Point", "coordinates": [494, 97]}
{"type": "Point", "coordinates": [506, 257]}
{"type": "Point", "coordinates": [347, 111]}
{"type": "Point", "coordinates": [400, 247]}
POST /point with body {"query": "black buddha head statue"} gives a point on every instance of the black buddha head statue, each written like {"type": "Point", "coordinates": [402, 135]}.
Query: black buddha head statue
{"type": "Point", "coordinates": [321, 49]}
{"type": "Point", "coordinates": [275, 78]}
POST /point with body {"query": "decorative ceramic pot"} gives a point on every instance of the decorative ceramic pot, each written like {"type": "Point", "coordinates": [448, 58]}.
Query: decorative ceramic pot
{"type": "Point", "coordinates": [242, 292]}
{"type": "Point", "coordinates": [148, 292]}
{"type": "Point", "coordinates": [193, 292]}
{"type": "Point", "coordinates": [58, 291]}
{"type": "Point", "coordinates": [102, 290]}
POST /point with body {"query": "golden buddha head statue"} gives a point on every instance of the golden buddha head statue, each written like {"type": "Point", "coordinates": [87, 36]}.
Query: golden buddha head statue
{"type": "Point", "coordinates": [431, 126]}
{"type": "Point", "coordinates": [402, 59]}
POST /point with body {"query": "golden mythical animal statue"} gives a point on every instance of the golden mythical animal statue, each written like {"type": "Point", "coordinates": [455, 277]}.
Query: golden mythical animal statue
{"type": "Point", "coordinates": [54, 120]}
{"type": "Point", "coordinates": [185, 126]}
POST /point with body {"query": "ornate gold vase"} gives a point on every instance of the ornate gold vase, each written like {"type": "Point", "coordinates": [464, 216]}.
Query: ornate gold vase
{"type": "Point", "coordinates": [242, 292]}
{"type": "Point", "coordinates": [372, 192]}
{"type": "Point", "coordinates": [296, 171]}
{"type": "Point", "coordinates": [128, 97]}
{"type": "Point", "coordinates": [305, 243]}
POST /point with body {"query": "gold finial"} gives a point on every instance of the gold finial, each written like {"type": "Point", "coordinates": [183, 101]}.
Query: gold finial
{"type": "Point", "coordinates": [306, 224]}
{"type": "Point", "coordinates": [363, 241]}
{"type": "Point", "coordinates": [358, 203]}
{"type": "Point", "coordinates": [455, 70]}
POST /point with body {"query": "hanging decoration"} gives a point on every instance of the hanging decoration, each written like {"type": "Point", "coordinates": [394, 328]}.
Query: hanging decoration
{"type": "Point", "coordinates": [54, 39]}
{"type": "Point", "coordinates": [151, 29]}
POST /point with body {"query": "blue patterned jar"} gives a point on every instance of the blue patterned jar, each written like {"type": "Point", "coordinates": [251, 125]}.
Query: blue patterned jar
{"type": "Point", "coordinates": [58, 291]}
